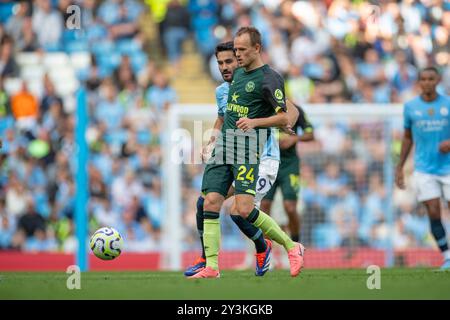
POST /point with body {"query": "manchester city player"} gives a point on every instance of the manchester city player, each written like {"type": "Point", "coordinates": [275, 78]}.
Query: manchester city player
{"type": "Point", "coordinates": [427, 126]}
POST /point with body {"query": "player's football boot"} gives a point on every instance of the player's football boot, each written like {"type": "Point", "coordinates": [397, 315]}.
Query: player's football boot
{"type": "Point", "coordinates": [446, 265]}
{"type": "Point", "coordinates": [263, 260]}
{"type": "Point", "coordinates": [198, 266]}
{"type": "Point", "coordinates": [207, 272]}
{"type": "Point", "coordinates": [296, 261]}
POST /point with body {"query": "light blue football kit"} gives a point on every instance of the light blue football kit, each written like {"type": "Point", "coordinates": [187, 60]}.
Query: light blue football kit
{"type": "Point", "coordinates": [429, 123]}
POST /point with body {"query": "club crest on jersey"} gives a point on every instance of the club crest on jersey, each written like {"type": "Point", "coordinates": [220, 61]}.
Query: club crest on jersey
{"type": "Point", "coordinates": [278, 94]}
{"type": "Point", "coordinates": [444, 111]}
{"type": "Point", "coordinates": [430, 112]}
{"type": "Point", "coordinates": [250, 86]}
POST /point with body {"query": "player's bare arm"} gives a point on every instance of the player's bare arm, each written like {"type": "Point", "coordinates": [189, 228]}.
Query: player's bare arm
{"type": "Point", "coordinates": [292, 113]}
{"type": "Point", "coordinates": [407, 143]}
{"type": "Point", "coordinates": [278, 120]}
{"type": "Point", "coordinates": [207, 149]}
{"type": "Point", "coordinates": [216, 129]}
{"type": "Point", "coordinates": [287, 141]}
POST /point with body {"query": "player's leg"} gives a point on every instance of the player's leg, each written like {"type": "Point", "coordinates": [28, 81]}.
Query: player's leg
{"type": "Point", "coordinates": [272, 230]}
{"type": "Point", "coordinates": [217, 180]}
{"type": "Point", "coordinates": [433, 207]}
{"type": "Point", "coordinates": [266, 205]}
{"type": "Point", "coordinates": [262, 246]}
{"type": "Point", "coordinates": [211, 228]}
{"type": "Point", "coordinates": [245, 191]}
{"type": "Point", "coordinates": [266, 202]}
{"type": "Point", "coordinates": [199, 263]}
{"type": "Point", "coordinates": [290, 206]}
{"type": "Point", "coordinates": [249, 230]}
{"type": "Point", "coordinates": [445, 181]}
{"type": "Point", "coordinates": [267, 173]}
{"type": "Point", "coordinates": [429, 193]}
{"type": "Point", "coordinates": [290, 187]}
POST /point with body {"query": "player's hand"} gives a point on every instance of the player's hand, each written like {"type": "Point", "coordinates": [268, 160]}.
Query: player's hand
{"type": "Point", "coordinates": [400, 178]}
{"type": "Point", "coordinates": [245, 124]}
{"type": "Point", "coordinates": [288, 129]}
{"type": "Point", "coordinates": [207, 151]}
{"type": "Point", "coordinates": [444, 146]}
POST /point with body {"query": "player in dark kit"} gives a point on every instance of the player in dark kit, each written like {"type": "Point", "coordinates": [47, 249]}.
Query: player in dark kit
{"type": "Point", "coordinates": [255, 103]}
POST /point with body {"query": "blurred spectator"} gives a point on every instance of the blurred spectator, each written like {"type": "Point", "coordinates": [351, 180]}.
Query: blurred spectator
{"type": "Point", "coordinates": [16, 196]}
{"type": "Point", "coordinates": [41, 240]}
{"type": "Point", "coordinates": [109, 111]}
{"type": "Point", "coordinates": [404, 77]}
{"type": "Point", "coordinates": [30, 221]}
{"type": "Point", "coordinates": [176, 28]}
{"type": "Point", "coordinates": [25, 108]}
{"type": "Point", "coordinates": [50, 96]}
{"type": "Point", "coordinates": [124, 187]}
{"type": "Point", "coordinates": [331, 184]}
{"type": "Point", "coordinates": [8, 66]}
{"type": "Point", "coordinates": [7, 230]}
{"type": "Point", "coordinates": [105, 214]}
{"type": "Point", "coordinates": [47, 24]}
{"type": "Point", "coordinates": [161, 94]}
{"type": "Point", "coordinates": [298, 87]}
{"type": "Point", "coordinates": [125, 25]}
{"type": "Point", "coordinates": [15, 24]}
{"type": "Point", "coordinates": [28, 41]}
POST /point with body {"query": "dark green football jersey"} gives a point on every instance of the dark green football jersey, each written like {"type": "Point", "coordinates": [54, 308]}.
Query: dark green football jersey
{"type": "Point", "coordinates": [258, 93]}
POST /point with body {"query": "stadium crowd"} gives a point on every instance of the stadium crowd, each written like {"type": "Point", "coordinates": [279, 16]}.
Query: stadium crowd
{"type": "Point", "coordinates": [328, 51]}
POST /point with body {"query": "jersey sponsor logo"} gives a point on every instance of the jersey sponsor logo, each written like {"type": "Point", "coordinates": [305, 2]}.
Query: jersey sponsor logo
{"type": "Point", "coordinates": [250, 86]}
{"type": "Point", "coordinates": [444, 111]}
{"type": "Point", "coordinates": [431, 125]}
{"type": "Point", "coordinates": [278, 94]}
{"type": "Point", "coordinates": [234, 97]}
{"type": "Point", "coordinates": [240, 110]}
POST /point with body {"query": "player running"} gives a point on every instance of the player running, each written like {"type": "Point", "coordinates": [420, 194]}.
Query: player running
{"type": "Point", "coordinates": [427, 125]}
{"type": "Point", "coordinates": [256, 93]}
{"type": "Point", "coordinates": [267, 170]}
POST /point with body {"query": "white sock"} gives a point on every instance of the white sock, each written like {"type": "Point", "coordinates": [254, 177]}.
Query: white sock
{"type": "Point", "coordinates": [446, 254]}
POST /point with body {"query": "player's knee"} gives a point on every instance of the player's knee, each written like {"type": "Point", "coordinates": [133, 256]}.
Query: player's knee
{"type": "Point", "coordinates": [434, 210]}
{"type": "Point", "coordinates": [233, 210]}
{"type": "Point", "coordinates": [211, 203]}
{"type": "Point", "coordinates": [434, 213]}
{"type": "Point", "coordinates": [244, 209]}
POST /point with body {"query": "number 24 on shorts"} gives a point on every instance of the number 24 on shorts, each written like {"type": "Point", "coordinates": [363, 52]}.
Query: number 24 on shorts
{"type": "Point", "coordinates": [249, 176]}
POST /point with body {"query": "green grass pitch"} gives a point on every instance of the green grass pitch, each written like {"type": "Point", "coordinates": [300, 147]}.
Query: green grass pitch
{"type": "Point", "coordinates": [236, 285]}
